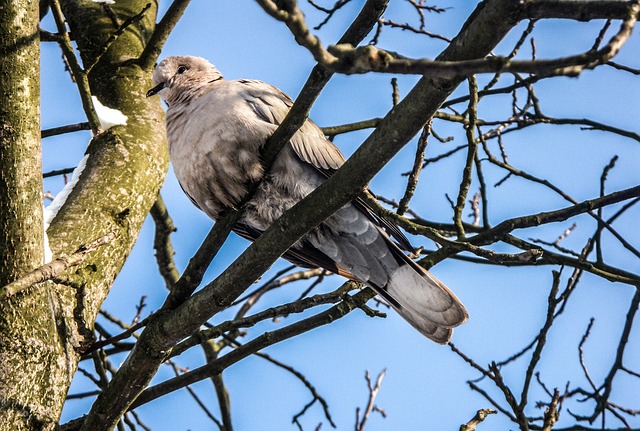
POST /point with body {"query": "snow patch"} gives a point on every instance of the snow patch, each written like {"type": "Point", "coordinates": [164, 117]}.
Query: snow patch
{"type": "Point", "coordinates": [104, 1]}
{"type": "Point", "coordinates": [52, 209]}
{"type": "Point", "coordinates": [108, 117]}
{"type": "Point", "coordinates": [48, 254]}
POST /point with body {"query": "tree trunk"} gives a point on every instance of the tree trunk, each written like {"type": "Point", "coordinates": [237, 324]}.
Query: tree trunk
{"type": "Point", "coordinates": [43, 330]}
{"type": "Point", "coordinates": [21, 245]}
{"type": "Point", "coordinates": [26, 323]}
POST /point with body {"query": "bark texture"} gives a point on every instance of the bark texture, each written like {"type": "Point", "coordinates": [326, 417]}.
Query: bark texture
{"type": "Point", "coordinates": [21, 247]}
{"type": "Point", "coordinates": [25, 322]}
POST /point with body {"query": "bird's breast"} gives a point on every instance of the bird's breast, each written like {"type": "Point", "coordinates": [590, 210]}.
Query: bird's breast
{"type": "Point", "coordinates": [214, 158]}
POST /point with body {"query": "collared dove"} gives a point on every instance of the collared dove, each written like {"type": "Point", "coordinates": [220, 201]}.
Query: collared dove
{"type": "Point", "coordinates": [216, 129]}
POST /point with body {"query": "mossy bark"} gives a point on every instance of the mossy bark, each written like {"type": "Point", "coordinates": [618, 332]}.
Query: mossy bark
{"type": "Point", "coordinates": [21, 245]}
{"type": "Point", "coordinates": [25, 323]}
{"type": "Point", "coordinates": [42, 331]}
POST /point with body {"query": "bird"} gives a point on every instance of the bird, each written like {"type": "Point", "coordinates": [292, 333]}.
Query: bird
{"type": "Point", "coordinates": [215, 131]}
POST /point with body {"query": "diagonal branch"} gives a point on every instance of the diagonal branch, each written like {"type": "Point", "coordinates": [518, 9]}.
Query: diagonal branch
{"type": "Point", "coordinates": [54, 268]}
{"type": "Point", "coordinates": [337, 311]}
{"type": "Point", "coordinates": [161, 33]}
{"type": "Point", "coordinates": [506, 226]}
{"type": "Point", "coordinates": [153, 346]}
{"type": "Point", "coordinates": [79, 75]}
{"type": "Point", "coordinates": [480, 416]}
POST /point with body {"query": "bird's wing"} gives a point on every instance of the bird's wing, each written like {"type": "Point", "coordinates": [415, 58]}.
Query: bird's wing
{"type": "Point", "coordinates": [358, 252]}
{"type": "Point", "coordinates": [385, 223]}
{"type": "Point", "coordinates": [304, 255]}
{"type": "Point", "coordinates": [310, 145]}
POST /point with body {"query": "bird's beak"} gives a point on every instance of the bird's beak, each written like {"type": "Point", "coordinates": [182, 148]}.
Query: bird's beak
{"type": "Point", "coordinates": [155, 90]}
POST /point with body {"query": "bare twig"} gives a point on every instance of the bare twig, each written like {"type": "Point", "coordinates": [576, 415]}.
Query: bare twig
{"type": "Point", "coordinates": [414, 175]}
{"type": "Point", "coordinates": [371, 407]}
{"type": "Point", "coordinates": [598, 234]}
{"type": "Point", "coordinates": [65, 129]}
{"type": "Point", "coordinates": [162, 242]}
{"type": "Point", "coordinates": [130, 330]}
{"type": "Point", "coordinates": [211, 350]}
{"type": "Point", "coordinates": [58, 172]}
{"type": "Point", "coordinates": [255, 345]}
{"type": "Point", "coordinates": [55, 268]}
{"type": "Point", "coordinates": [270, 313]}
{"type": "Point", "coordinates": [471, 155]}
{"type": "Point", "coordinates": [197, 399]}
{"type": "Point", "coordinates": [338, 4]}
{"type": "Point", "coordinates": [344, 58]}
{"type": "Point", "coordinates": [412, 29]}
{"type": "Point", "coordinates": [395, 93]}
{"type": "Point", "coordinates": [480, 416]}
{"type": "Point", "coordinates": [80, 76]}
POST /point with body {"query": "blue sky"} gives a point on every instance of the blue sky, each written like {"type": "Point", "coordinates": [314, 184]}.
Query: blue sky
{"type": "Point", "coordinates": [425, 383]}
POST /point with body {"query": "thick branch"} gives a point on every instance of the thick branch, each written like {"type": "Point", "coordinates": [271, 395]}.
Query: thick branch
{"type": "Point", "coordinates": [21, 244]}
{"type": "Point", "coordinates": [344, 58]}
{"type": "Point", "coordinates": [26, 398]}
{"type": "Point", "coordinates": [583, 10]}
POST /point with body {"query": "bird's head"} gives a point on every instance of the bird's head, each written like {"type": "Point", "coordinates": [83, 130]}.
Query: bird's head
{"type": "Point", "coordinates": [177, 79]}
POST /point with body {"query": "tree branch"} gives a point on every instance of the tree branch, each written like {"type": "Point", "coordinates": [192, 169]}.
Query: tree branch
{"type": "Point", "coordinates": [467, 172]}
{"type": "Point", "coordinates": [255, 345]}
{"type": "Point", "coordinates": [480, 416]}
{"type": "Point", "coordinates": [80, 76]}
{"type": "Point", "coordinates": [161, 33]}
{"type": "Point", "coordinates": [54, 268]}
{"type": "Point", "coordinates": [344, 58]}
{"type": "Point", "coordinates": [162, 243]}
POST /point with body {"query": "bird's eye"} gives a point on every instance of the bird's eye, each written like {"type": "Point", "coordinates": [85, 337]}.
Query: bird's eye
{"type": "Point", "coordinates": [182, 69]}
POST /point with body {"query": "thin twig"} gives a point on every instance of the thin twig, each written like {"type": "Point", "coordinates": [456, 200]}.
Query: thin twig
{"type": "Point", "coordinates": [54, 268]}
{"type": "Point", "coordinates": [330, 12]}
{"type": "Point", "coordinates": [114, 339]}
{"type": "Point", "coordinates": [471, 155]}
{"type": "Point", "coordinates": [412, 29]}
{"type": "Point", "coordinates": [371, 407]}
{"type": "Point", "coordinates": [162, 243]}
{"type": "Point", "coordinates": [80, 76]}
{"type": "Point", "coordinates": [598, 234]}
{"type": "Point", "coordinates": [414, 175]}
{"type": "Point", "coordinates": [197, 399]}
{"type": "Point", "coordinates": [64, 129]}
{"type": "Point", "coordinates": [57, 172]}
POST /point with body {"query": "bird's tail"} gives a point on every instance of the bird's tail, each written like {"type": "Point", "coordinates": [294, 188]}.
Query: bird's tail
{"type": "Point", "coordinates": [423, 301]}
